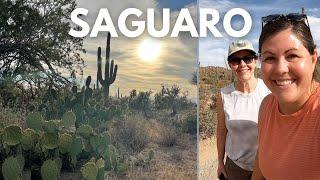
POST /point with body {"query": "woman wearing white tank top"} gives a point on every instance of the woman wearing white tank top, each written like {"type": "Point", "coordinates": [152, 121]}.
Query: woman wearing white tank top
{"type": "Point", "coordinates": [237, 114]}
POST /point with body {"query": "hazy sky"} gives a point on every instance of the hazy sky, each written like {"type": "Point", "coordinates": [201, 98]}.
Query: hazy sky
{"type": "Point", "coordinates": [174, 65]}
{"type": "Point", "coordinates": [178, 56]}
{"type": "Point", "coordinates": [212, 50]}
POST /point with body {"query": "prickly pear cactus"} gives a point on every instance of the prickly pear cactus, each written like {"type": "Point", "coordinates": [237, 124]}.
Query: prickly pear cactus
{"type": "Point", "coordinates": [58, 162]}
{"type": "Point", "coordinates": [50, 170]}
{"type": "Point", "coordinates": [12, 135]}
{"type": "Point", "coordinates": [29, 138]}
{"type": "Point", "coordinates": [111, 157]}
{"type": "Point", "coordinates": [34, 121]}
{"type": "Point", "coordinates": [121, 167]}
{"type": "Point", "coordinates": [11, 168]}
{"type": "Point", "coordinates": [98, 143]}
{"type": "Point", "coordinates": [106, 157]}
{"type": "Point", "coordinates": [90, 171]}
{"type": "Point", "coordinates": [75, 149]}
{"type": "Point", "coordinates": [21, 161]}
{"type": "Point", "coordinates": [50, 140]}
{"type": "Point", "coordinates": [76, 146]}
{"type": "Point", "coordinates": [100, 164]}
{"type": "Point", "coordinates": [85, 130]}
{"type": "Point", "coordinates": [51, 126]}
{"type": "Point", "coordinates": [1, 131]}
{"type": "Point", "coordinates": [65, 142]}
{"type": "Point", "coordinates": [68, 119]}
{"type": "Point", "coordinates": [150, 155]}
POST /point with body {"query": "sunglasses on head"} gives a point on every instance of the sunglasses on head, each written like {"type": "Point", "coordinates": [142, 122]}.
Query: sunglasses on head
{"type": "Point", "coordinates": [237, 60]}
{"type": "Point", "coordinates": [290, 17]}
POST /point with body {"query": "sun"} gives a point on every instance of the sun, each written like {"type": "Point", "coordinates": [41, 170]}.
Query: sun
{"type": "Point", "coordinates": [149, 49]}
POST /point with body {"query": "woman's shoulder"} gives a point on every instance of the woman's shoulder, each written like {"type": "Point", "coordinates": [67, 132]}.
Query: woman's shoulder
{"type": "Point", "coordinates": [267, 106]}
{"type": "Point", "coordinates": [227, 89]}
{"type": "Point", "coordinates": [267, 101]}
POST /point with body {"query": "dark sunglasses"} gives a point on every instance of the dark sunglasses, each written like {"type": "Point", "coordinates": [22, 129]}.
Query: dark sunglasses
{"type": "Point", "coordinates": [290, 17]}
{"type": "Point", "coordinates": [237, 60]}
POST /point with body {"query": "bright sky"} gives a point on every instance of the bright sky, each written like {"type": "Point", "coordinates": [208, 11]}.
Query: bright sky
{"type": "Point", "coordinates": [212, 50]}
{"type": "Point", "coordinates": [171, 61]}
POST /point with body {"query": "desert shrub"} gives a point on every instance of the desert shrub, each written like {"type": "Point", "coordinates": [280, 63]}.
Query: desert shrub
{"type": "Point", "coordinates": [168, 137]}
{"type": "Point", "coordinates": [140, 102]}
{"type": "Point", "coordinates": [221, 83]}
{"type": "Point", "coordinates": [131, 132]}
{"type": "Point", "coordinates": [9, 116]}
{"type": "Point", "coordinates": [207, 122]}
{"type": "Point", "coordinates": [189, 124]}
{"type": "Point", "coordinates": [171, 98]}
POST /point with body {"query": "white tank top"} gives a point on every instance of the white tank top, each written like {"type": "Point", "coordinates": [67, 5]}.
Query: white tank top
{"type": "Point", "coordinates": [241, 117]}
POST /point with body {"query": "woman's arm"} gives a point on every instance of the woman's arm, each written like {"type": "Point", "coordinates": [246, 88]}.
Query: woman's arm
{"type": "Point", "coordinates": [257, 175]}
{"type": "Point", "coordinates": [221, 136]}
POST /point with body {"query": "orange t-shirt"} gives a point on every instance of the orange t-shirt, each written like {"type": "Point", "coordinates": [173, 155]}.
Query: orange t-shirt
{"type": "Point", "coordinates": [289, 145]}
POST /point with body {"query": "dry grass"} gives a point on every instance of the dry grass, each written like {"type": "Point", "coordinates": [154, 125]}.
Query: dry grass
{"type": "Point", "coordinates": [131, 132]}
{"type": "Point", "coordinates": [168, 137]}
{"type": "Point", "coordinates": [177, 161]}
{"type": "Point", "coordinates": [169, 163]}
{"type": "Point", "coordinates": [9, 116]}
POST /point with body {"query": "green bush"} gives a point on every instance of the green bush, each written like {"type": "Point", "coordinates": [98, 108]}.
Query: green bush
{"type": "Point", "coordinates": [189, 124]}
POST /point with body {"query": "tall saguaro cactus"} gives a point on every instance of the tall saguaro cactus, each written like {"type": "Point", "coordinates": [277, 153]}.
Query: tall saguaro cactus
{"type": "Point", "coordinates": [110, 69]}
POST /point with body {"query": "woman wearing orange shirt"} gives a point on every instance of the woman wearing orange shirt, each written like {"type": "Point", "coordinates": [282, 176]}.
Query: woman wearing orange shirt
{"type": "Point", "coordinates": [289, 118]}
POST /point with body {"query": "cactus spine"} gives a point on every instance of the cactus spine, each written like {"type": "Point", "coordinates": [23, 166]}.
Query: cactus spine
{"type": "Point", "coordinates": [110, 69]}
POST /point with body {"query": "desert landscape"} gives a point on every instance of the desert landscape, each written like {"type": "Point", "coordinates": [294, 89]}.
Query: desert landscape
{"type": "Point", "coordinates": [210, 81]}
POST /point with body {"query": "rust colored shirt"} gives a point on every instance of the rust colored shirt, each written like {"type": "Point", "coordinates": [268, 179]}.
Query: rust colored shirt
{"type": "Point", "coordinates": [289, 145]}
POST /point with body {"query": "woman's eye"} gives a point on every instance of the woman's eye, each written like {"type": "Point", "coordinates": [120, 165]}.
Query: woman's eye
{"type": "Point", "coordinates": [268, 59]}
{"type": "Point", "coordinates": [292, 56]}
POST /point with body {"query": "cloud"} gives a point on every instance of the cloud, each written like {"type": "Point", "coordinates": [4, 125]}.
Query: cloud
{"type": "Point", "coordinates": [313, 10]}
{"type": "Point", "coordinates": [315, 28]}
{"type": "Point", "coordinates": [221, 5]}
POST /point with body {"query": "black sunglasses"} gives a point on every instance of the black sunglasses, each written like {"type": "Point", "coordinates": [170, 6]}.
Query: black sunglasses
{"type": "Point", "coordinates": [290, 17]}
{"type": "Point", "coordinates": [237, 60]}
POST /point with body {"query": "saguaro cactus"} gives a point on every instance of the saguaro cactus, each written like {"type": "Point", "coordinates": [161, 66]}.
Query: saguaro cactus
{"type": "Point", "coordinates": [110, 69]}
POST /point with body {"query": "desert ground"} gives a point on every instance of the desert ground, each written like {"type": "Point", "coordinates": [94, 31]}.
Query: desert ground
{"type": "Point", "coordinates": [208, 159]}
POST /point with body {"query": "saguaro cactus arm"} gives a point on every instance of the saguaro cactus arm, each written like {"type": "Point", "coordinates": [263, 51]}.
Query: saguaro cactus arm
{"type": "Point", "coordinates": [99, 74]}
{"type": "Point", "coordinates": [113, 72]}
{"type": "Point", "coordinates": [106, 68]}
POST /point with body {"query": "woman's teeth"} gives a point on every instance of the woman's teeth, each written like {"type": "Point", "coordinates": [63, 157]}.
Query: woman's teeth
{"type": "Point", "coordinates": [284, 82]}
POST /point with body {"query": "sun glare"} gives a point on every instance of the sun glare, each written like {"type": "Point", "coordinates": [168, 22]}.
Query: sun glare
{"type": "Point", "coordinates": [149, 49]}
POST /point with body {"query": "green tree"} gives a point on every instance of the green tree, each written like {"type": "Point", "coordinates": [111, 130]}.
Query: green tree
{"type": "Point", "coordinates": [169, 98]}
{"type": "Point", "coordinates": [141, 101]}
{"type": "Point", "coordinates": [34, 42]}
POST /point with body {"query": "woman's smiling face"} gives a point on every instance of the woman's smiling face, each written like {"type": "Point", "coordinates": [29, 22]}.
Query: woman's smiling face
{"type": "Point", "coordinates": [243, 71]}
{"type": "Point", "coordinates": [287, 67]}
